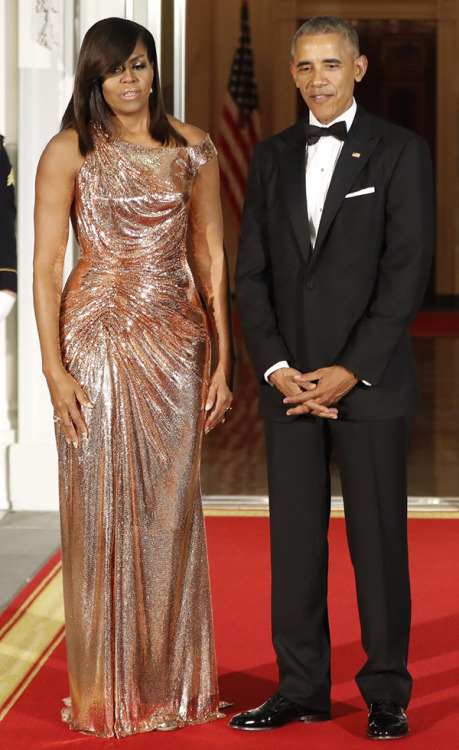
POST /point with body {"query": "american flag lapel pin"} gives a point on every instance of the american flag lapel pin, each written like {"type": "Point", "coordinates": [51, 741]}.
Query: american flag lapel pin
{"type": "Point", "coordinates": [356, 155]}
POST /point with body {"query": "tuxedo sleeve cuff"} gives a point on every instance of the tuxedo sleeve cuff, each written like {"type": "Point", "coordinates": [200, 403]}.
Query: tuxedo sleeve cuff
{"type": "Point", "coordinates": [361, 380]}
{"type": "Point", "coordinates": [277, 366]}
{"type": "Point", "coordinates": [8, 279]}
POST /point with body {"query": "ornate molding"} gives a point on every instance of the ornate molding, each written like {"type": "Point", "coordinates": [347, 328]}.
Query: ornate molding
{"type": "Point", "coordinates": [47, 36]}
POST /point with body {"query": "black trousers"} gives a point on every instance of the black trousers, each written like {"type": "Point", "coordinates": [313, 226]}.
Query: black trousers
{"type": "Point", "coordinates": [372, 460]}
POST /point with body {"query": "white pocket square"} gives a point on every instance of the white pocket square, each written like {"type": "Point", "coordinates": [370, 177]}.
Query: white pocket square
{"type": "Point", "coordinates": [365, 191]}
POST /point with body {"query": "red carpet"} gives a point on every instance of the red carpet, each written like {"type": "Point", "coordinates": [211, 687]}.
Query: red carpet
{"type": "Point", "coordinates": [239, 559]}
{"type": "Point", "coordinates": [435, 324]}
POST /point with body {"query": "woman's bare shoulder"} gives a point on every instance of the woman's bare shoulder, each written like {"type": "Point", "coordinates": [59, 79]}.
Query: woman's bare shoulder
{"type": "Point", "coordinates": [192, 134]}
{"type": "Point", "coordinates": [63, 151]}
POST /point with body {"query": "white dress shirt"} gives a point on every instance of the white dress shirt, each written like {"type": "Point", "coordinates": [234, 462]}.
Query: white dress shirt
{"type": "Point", "coordinates": [321, 158]}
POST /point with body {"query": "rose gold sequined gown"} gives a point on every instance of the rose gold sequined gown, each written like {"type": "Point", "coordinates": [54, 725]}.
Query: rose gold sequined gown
{"type": "Point", "coordinates": [133, 333]}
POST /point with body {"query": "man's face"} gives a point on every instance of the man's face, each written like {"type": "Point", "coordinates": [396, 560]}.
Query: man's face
{"type": "Point", "coordinates": [324, 68]}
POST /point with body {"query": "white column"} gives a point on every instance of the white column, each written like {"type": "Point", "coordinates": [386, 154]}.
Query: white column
{"type": "Point", "coordinates": [153, 23]}
{"type": "Point", "coordinates": [45, 54]}
{"type": "Point", "coordinates": [179, 58]}
{"type": "Point", "coordinates": [145, 12]}
{"type": "Point", "coordinates": [91, 11]}
{"type": "Point", "coordinates": [148, 13]}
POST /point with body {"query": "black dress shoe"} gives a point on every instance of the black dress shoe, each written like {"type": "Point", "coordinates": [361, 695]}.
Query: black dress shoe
{"type": "Point", "coordinates": [387, 721]}
{"type": "Point", "coordinates": [275, 713]}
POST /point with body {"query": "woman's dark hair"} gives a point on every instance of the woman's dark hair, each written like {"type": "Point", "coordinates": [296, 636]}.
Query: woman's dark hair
{"type": "Point", "coordinates": [106, 45]}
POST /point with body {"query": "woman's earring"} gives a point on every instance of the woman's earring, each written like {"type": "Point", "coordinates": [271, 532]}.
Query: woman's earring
{"type": "Point", "coordinates": [151, 90]}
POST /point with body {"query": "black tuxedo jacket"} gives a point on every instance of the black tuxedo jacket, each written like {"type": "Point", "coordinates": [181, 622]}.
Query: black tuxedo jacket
{"type": "Point", "coordinates": [8, 276]}
{"type": "Point", "coordinates": [350, 301]}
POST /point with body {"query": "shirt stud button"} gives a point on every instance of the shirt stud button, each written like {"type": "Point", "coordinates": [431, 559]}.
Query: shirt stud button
{"type": "Point", "coordinates": [310, 285]}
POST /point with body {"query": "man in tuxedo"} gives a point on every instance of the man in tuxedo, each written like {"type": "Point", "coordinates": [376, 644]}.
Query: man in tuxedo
{"type": "Point", "coordinates": [8, 273]}
{"type": "Point", "coordinates": [336, 245]}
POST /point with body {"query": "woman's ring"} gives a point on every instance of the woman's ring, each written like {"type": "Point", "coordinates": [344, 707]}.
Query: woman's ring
{"type": "Point", "coordinates": [56, 419]}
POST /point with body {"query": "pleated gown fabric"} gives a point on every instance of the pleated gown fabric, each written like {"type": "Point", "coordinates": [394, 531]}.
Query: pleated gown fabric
{"type": "Point", "coordinates": [134, 334]}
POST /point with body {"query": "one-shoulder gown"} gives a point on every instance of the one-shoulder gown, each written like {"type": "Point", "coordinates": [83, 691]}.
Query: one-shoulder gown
{"type": "Point", "coordinates": [139, 629]}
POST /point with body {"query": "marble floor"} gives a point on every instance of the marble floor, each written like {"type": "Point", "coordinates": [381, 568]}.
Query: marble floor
{"type": "Point", "coordinates": [233, 467]}
{"type": "Point", "coordinates": [27, 541]}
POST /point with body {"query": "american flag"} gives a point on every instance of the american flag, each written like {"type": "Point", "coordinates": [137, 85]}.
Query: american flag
{"type": "Point", "coordinates": [239, 129]}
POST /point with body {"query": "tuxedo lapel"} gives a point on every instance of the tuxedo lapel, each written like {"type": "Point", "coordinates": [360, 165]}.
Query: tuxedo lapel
{"type": "Point", "coordinates": [355, 153]}
{"type": "Point", "coordinates": [292, 161]}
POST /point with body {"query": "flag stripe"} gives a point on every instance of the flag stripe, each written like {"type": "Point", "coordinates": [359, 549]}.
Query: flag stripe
{"type": "Point", "coordinates": [232, 163]}
{"type": "Point", "coordinates": [227, 142]}
{"type": "Point", "coordinates": [239, 121]}
{"type": "Point", "coordinates": [239, 135]}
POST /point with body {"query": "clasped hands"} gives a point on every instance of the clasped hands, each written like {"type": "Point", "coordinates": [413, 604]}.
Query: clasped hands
{"type": "Point", "coordinates": [314, 392]}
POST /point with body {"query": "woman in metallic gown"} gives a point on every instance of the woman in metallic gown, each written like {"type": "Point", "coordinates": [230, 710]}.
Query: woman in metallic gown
{"type": "Point", "coordinates": [125, 352]}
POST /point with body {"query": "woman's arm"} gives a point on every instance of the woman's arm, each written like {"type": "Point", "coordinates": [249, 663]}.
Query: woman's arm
{"type": "Point", "coordinates": [210, 266]}
{"type": "Point", "coordinates": [55, 182]}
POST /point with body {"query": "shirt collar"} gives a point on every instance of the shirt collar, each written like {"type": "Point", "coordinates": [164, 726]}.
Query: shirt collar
{"type": "Point", "coordinates": [347, 117]}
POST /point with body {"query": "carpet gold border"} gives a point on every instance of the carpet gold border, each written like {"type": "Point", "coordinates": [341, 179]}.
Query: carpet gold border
{"type": "Point", "coordinates": [45, 656]}
{"type": "Point", "coordinates": [259, 512]}
{"type": "Point", "coordinates": [24, 644]}
{"type": "Point", "coordinates": [35, 593]}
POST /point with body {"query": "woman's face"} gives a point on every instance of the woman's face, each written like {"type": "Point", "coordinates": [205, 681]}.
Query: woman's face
{"type": "Point", "coordinates": [126, 89]}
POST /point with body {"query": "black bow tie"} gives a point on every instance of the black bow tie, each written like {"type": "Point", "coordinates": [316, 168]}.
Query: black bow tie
{"type": "Point", "coordinates": [313, 133]}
